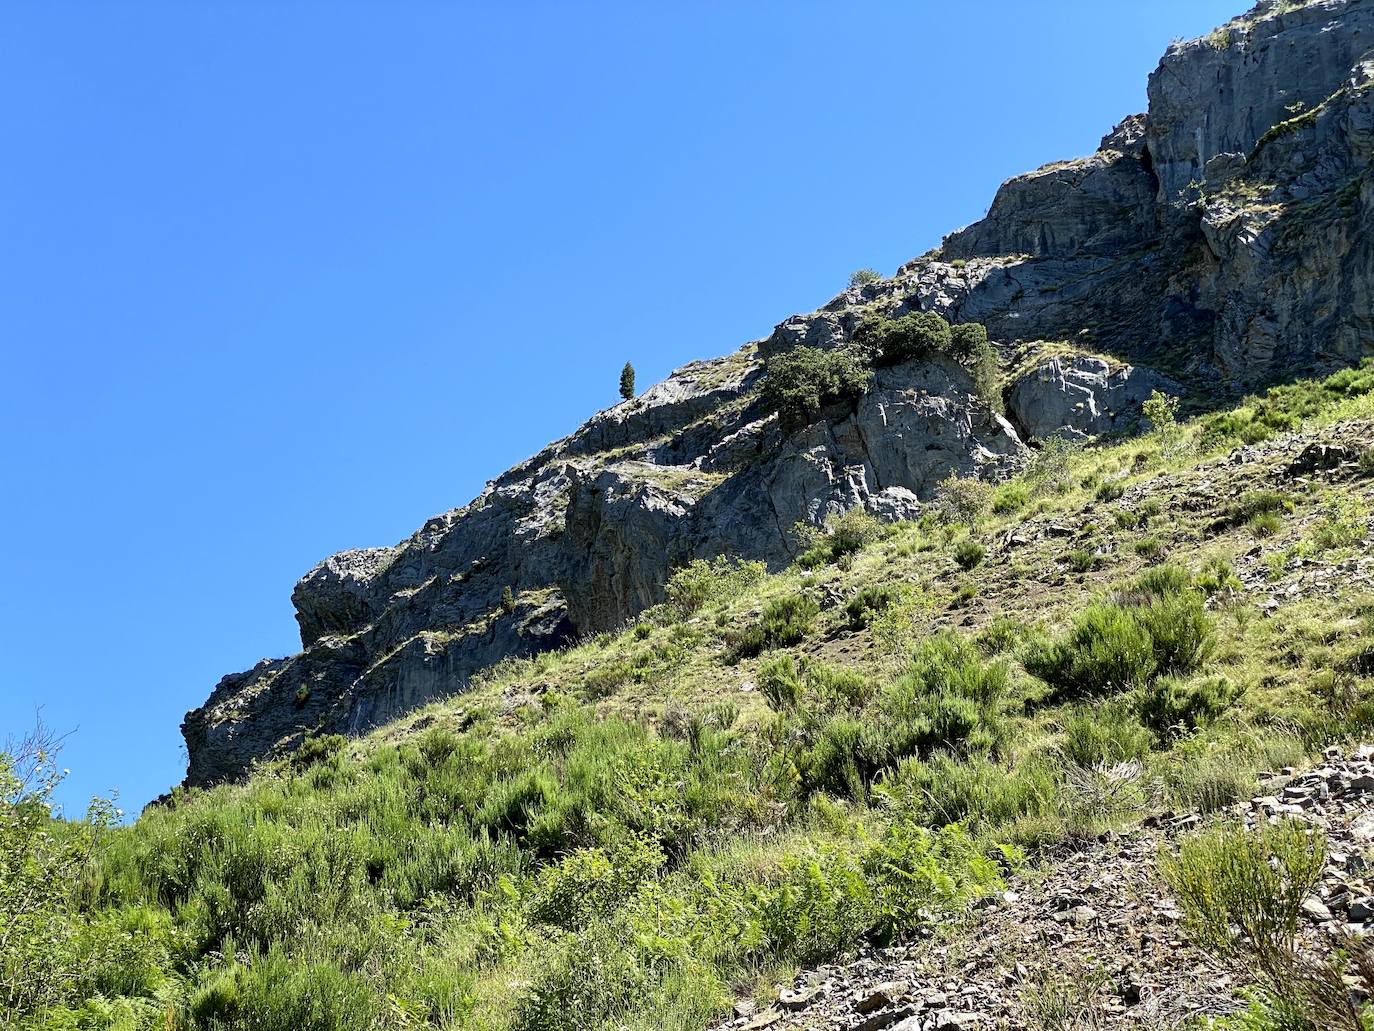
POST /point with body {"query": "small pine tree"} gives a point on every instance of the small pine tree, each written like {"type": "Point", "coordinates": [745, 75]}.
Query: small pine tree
{"type": "Point", "coordinates": [627, 381]}
{"type": "Point", "coordinates": [507, 600]}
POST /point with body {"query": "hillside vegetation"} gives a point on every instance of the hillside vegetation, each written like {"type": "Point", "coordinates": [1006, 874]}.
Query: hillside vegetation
{"type": "Point", "coordinates": [764, 772]}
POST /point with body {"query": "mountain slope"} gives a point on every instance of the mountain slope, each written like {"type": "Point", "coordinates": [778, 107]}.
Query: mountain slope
{"type": "Point", "coordinates": [771, 770]}
{"type": "Point", "coordinates": [1223, 238]}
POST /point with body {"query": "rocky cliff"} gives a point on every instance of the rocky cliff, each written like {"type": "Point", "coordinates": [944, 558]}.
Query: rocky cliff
{"type": "Point", "coordinates": [1221, 240]}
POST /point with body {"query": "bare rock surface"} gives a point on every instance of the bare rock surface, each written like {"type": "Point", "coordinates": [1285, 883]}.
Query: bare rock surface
{"type": "Point", "coordinates": [1079, 396]}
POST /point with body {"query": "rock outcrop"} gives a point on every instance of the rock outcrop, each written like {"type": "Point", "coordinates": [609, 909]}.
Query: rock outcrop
{"type": "Point", "coordinates": [1222, 239]}
{"type": "Point", "coordinates": [1078, 396]}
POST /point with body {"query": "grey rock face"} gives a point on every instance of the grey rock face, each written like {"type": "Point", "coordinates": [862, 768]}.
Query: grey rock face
{"type": "Point", "coordinates": [1081, 396]}
{"type": "Point", "coordinates": [1103, 204]}
{"type": "Point", "coordinates": [1222, 93]}
{"type": "Point", "coordinates": [1226, 237]}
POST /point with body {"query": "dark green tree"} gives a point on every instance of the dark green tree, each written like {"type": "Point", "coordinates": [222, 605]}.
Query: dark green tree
{"type": "Point", "coordinates": [802, 381]}
{"type": "Point", "coordinates": [627, 381]}
{"type": "Point", "coordinates": [921, 334]}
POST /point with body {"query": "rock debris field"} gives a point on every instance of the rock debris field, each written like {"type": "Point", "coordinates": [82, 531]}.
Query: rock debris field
{"type": "Point", "coordinates": [1097, 926]}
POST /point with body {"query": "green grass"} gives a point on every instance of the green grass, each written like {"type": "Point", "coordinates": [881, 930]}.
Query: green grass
{"type": "Point", "coordinates": [766, 771]}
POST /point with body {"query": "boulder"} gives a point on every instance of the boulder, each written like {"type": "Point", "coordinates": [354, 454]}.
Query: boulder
{"type": "Point", "coordinates": [1078, 396]}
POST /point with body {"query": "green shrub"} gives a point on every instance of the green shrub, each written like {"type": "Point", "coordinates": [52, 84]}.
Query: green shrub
{"type": "Point", "coordinates": [317, 750]}
{"type": "Point", "coordinates": [1161, 412]}
{"type": "Point", "coordinates": [968, 553]}
{"type": "Point", "coordinates": [1217, 575]}
{"type": "Point", "coordinates": [785, 621]}
{"type": "Point", "coordinates": [1111, 490]}
{"type": "Point", "coordinates": [1243, 890]}
{"type": "Point", "coordinates": [864, 277]}
{"type": "Point", "coordinates": [1001, 635]}
{"type": "Point", "coordinates": [1264, 524]}
{"type": "Point", "coordinates": [588, 981]}
{"type": "Point", "coordinates": [921, 334]}
{"type": "Point", "coordinates": [963, 499]}
{"type": "Point", "coordinates": [1149, 548]}
{"type": "Point", "coordinates": [1010, 497]}
{"type": "Point", "coordinates": [702, 582]}
{"type": "Point", "coordinates": [1256, 503]}
{"type": "Point", "coordinates": [1103, 734]}
{"type": "Point", "coordinates": [800, 383]}
{"type": "Point", "coordinates": [1172, 706]}
{"type": "Point", "coordinates": [1050, 465]}
{"type": "Point", "coordinates": [1242, 893]}
{"type": "Point", "coordinates": [1081, 560]}
{"type": "Point", "coordinates": [1157, 625]}
{"type": "Point", "coordinates": [949, 698]}
{"type": "Point", "coordinates": [868, 602]}
{"type": "Point", "coordinates": [780, 682]}
{"type": "Point", "coordinates": [1342, 524]}
{"type": "Point", "coordinates": [976, 793]}
{"type": "Point", "coordinates": [970, 347]}
{"type": "Point", "coordinates": [274, 992]}
{"type": "Point", "coordinates": [42, 866]}
{"type": "Point", "coordinates": [844, 534]}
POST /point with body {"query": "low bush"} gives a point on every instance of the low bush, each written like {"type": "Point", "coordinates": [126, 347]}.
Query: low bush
{"type": "Point", "coordinates": [780, 682]}
{"type": "Point", "coordinates": [976, 793]}
{"type": "Point", "coordinates": [1110, 490]}
{"type": "Point", "coordinates": [968, 553]}
{"type": "Point", "coordinates": [710, 581]}
{"type": "Point", "coordinates": [1242, 893]}
{"type": "Point", "coordinates": [1149, 548]}
{"type": "Point", "coordinates": [1157, 625]}
{"type": "Point", "coordinates": [963, 499]}
{"type": "Point", "coordinates": [1010, 497]}
{"type": "Point", "coordinates": [871, 600]}
{"type": "Point", "coordinates": [1104, 734]}
{"type": "Point", "coordinates": [1172, 706]}
{"type": "Point", "coordinates": [1001, 635]}
{"type": "Point", "coordinates": [1256, 503]}
{"type": "Point", "coordinates": [1217, 576]}
{"type": "Point", "coordinates": [1081, 560]}
{"type": "Point", "coordinates": [785, 621]}
{"type": "Point", "coordinates": [1342, 525]}
{"type": "Point", "coordinates": [841, 535]}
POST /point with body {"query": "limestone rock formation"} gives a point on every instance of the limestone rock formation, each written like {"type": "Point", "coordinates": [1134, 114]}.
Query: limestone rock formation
{"type": "Point", "coordinates": [1077, 396]}
{"type": "Point", "coordinates": [1223, 239]}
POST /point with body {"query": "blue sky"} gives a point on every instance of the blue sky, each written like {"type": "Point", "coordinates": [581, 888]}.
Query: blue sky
{"type": "Point", "coordinates": [283, 279]}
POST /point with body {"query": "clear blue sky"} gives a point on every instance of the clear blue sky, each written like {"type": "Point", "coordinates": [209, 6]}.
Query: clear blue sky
{"type": "Point", "coordinates": [283, 279]}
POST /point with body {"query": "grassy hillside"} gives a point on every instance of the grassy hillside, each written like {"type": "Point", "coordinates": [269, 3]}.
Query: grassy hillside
{"type": "Point", "coordinates": [762, 773]}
